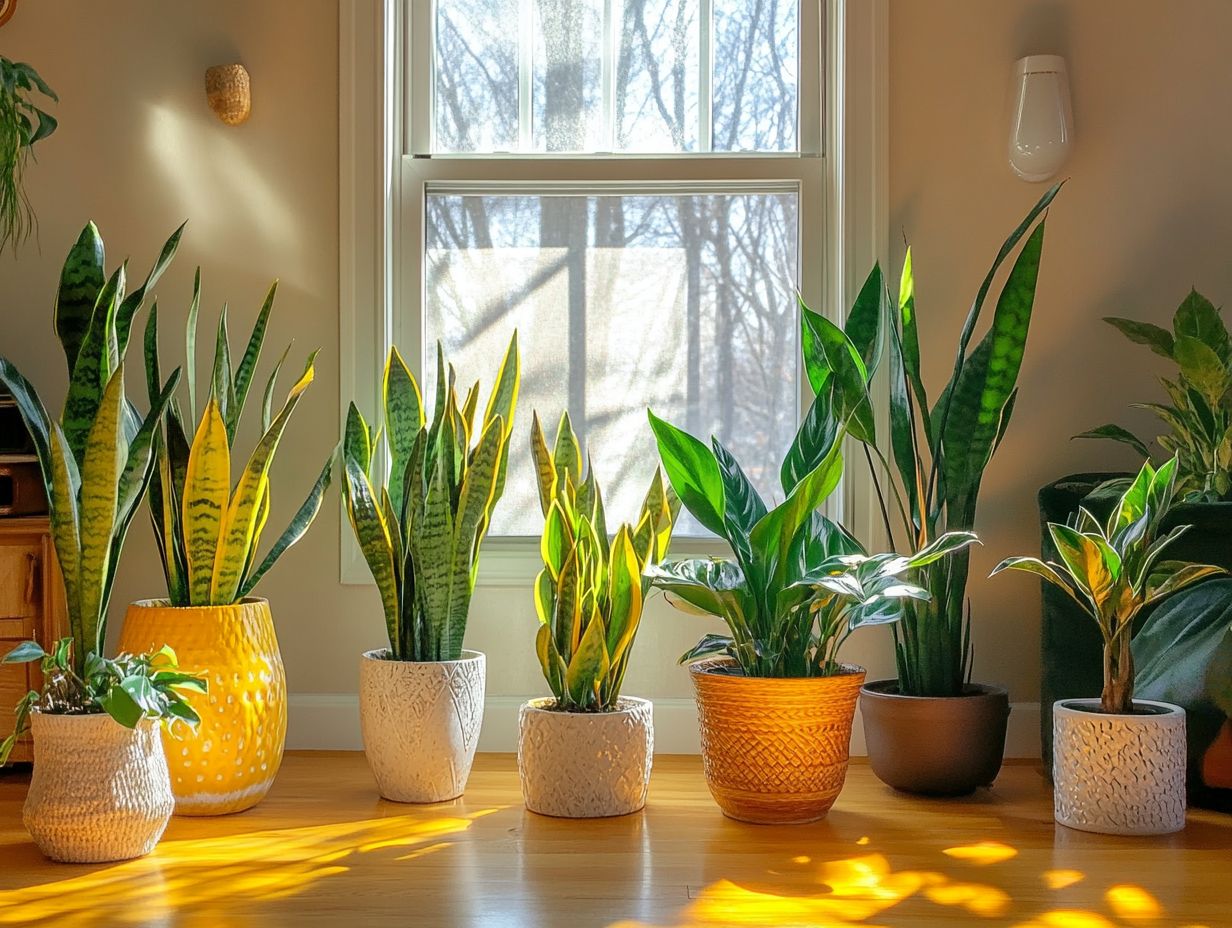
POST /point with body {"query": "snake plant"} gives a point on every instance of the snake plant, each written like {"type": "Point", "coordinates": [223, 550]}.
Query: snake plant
{"type": "Point", "coordinates": [1198, 416]}
{"type": "Point", "coordinates": [22, 125]}
{"type": "Point", "coordinates": [590, 593]}
{"type": "Point", "coordinates": [939, 451]}
{"type": "Point", "coordinates": [1113, 570]}
{"type": "Point", "coordinates": [420, 519]}
{"type": "Point", "coordinates": [96, 462]}
{"type": "Point", "coordinates": [208, 532]}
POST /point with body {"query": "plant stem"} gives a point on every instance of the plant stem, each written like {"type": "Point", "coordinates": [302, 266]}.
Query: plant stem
{"type": "Point", "coordinates": [1118, 695]}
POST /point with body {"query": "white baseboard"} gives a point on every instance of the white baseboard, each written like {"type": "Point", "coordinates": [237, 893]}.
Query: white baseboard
{"type": "Point", "coordinates": [330, 721]}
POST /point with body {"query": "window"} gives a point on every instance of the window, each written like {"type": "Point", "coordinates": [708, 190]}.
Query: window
{"type": "Point", "coordinates": [637, 187]}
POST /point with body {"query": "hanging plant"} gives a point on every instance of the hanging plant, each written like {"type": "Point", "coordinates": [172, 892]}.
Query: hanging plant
{"type": "Point", "coordinates": [22, 124]}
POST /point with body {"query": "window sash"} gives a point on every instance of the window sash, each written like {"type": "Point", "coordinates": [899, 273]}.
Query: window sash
{"type": "Point", "coordinates": [418, 87]}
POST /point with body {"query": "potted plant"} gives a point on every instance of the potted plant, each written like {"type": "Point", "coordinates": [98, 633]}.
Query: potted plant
{"type": "Point", "coordinates": [419, 522]}
{"type": "Point", "coordinates": [931, 730]}
{"type": "Point", "coordinates": [208, 535]}
{"type": "Point", "coordinates": [22, 125]}
{"type": "Point", "coordinates": [586, 751]}
{"type": "Point", "coordinates": [1196, 426]}
{"type": "Point", "coordinates": [100, 788]}
{"type": "Point", "coordinates": [775, 703]}
{"type": "Point", "coordinates": [1119, 763]}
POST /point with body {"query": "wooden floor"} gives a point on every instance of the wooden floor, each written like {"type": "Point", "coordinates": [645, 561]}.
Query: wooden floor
{"type": "Point", "coordinates": [323, 850]}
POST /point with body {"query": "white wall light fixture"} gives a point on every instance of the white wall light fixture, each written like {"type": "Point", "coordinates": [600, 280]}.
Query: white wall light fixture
{"type": "Point", "coordinates": [1042, 123]}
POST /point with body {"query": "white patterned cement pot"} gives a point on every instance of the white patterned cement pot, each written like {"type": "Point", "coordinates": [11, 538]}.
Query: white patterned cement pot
{"type": "Point", "coordinates": [420, 723]}
{"type": "Point", "coordinates": [1119, 774]}
{"type": "Point", "coordinates": [99, 791]}
{"type": "Point", "coordinates": [585, 764]}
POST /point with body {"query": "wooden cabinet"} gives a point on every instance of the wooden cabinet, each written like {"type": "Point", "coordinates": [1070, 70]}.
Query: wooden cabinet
{"type": "Point", "coordinates": [31, 607]}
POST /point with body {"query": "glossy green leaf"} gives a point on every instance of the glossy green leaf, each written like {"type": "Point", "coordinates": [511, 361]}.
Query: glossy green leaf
{"type": "Point", "coordinates": [247, 367]}
{"type": "Point", "coordinates": [1198, 318]}
{"type": "Point", "coordinates": [81, 279]}
{"type": "Point", "coordinates": [694, 473]}
{"type": "Point", "coordinates": [1159, 340]}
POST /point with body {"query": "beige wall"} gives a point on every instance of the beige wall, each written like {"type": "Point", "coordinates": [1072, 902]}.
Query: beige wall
{"type": "Point", "coordinates": [1145, 215]}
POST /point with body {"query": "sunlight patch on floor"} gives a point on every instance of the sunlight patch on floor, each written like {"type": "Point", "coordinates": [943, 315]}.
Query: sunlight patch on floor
{"type": "Point", "coordinates": [225, 873]}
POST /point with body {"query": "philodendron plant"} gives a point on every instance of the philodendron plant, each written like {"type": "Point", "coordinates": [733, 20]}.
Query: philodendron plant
{"type": "Point", "coordinates": [939, 451]}
{"type": "Point", "coordinates": [798, 584]}
{"type": "Point", "coordinates": [23, 124]}
{"type": "Point", "coordinates": [1198, 416]}
{"type": "Point", "coordinates": [591, 591]}
{"type": "Point", "coordinates": [420, 521]}
{"type": "Point", "coordinates": [1113, 570]}
{"type": "Point", "coordinates": [208, 533]}
{"type": "Point", "coordinates": [96, 463]}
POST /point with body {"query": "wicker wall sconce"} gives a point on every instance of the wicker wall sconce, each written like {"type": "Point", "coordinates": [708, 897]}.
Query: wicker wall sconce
{"type": "Point", "coordinates": [228, 91]}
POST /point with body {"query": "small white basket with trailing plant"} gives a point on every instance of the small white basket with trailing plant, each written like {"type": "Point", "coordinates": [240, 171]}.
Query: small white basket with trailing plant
{"type": "Point", "coordinates": [100, 789]}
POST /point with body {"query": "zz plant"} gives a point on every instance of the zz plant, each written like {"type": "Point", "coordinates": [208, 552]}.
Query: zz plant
{"type": "Point", "coordinates": [939, 450]}
{"type": "Point", "coordinates": [1198, 415]}
{"type": "Point", "coordinates": [1114, 569]}
{"type": "Point", "coordinates": [591, 591]}
{"type": "Point", "coordinates": [23, 124]}
{"type": "Point", "coordinates": [208, 532]}
{"type": "Point", "coordinates": [96, 461]}
{"type": "Point", "coordinates": [420, 520]}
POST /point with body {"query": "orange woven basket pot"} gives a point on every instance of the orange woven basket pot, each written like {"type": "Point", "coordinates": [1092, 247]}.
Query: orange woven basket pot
{"type": "Point", "coordinates": [775, 750]}
{"type": "Point", "coordinates": [230, 762]}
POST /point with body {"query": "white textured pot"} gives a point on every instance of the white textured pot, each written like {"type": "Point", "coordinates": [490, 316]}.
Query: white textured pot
{"type": "Point", "coordinates": [1119, 774]}
{"type": "Point", "coordinates": [585, 764]}
{"type": "Point", "coordinates": [99, 791]}
{"type": "Point", "coordinates": [420, 723]}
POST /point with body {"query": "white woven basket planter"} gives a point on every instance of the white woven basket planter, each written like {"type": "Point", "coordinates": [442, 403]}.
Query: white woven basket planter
{"type": "Point", "coordinates": [99, 792]}
{"type": "Point", "coordinates": [585, 764]}
{"type": "Point", "coordinates": [1119, 774]}
{"type": "Point", "coordinates": [420, 723]}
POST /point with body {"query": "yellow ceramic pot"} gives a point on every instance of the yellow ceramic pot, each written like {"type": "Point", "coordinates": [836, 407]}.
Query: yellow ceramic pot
{"type": "Point", "coordinates": [229, 764]}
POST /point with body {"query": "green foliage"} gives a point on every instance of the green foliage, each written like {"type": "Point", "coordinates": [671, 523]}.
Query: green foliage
{"type": "Point", "coordinates": [419, 523]}
{"type": "Point", "coordinates": [939, 451]}
{"type": "Point", "coordinates": [98, 459]}
{"type": "Point", "coordinates": [209, 532]}
{"type": "Point", "coordinates": [591, 591]}
{"type": "Point", "coordinates": [797, 584]}
{"type": "Point", "coordinates": [1198, 416]}
{"type": "Point", "coordinates": [1183, 655]}
{"type": "Point", "coordinates": [22, 125]}
{"type": "Point", "coordinates": [1113, 570]}
{"type": "Point", "coordinates": [129, 688]}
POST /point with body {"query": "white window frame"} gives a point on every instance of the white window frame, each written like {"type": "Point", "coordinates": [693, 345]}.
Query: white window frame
{"type": "Point", "coordinates": [382, 184]}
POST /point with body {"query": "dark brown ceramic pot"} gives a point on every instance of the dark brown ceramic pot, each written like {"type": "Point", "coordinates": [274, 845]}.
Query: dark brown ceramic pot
{"type": "Point", "coordinates": [945, 746]}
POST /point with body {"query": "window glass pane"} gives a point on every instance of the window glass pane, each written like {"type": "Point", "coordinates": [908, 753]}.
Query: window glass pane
{"type": "Point", "coordinates": [616, 75]}
{"type": "Point", "coordinates": [680, 302]}
{"type": "Point", "coordinates": [476, 87]}
{"type": "Point", "coordinates": [657, 76]}
{"type": "Point", "coordinates": [756, 68]}
{"type": "Point", "coordinates": [567, 97]}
